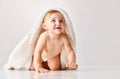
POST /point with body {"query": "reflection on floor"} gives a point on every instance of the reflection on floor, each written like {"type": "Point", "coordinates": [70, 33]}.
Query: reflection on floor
{"type": "Point", "coordinates": [68, 74]}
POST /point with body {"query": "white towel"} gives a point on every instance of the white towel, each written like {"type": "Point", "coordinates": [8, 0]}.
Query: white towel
{"type": "Point", "coordinates": [21, 56]}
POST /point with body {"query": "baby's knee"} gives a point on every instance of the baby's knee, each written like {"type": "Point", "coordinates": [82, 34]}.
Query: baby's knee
{"type": "Point", "coordinates": [54, 63]}
{"type": "Point", "coordinates": [55, 67]}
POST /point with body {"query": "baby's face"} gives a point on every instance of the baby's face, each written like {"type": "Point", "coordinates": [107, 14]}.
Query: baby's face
{"type": "Point", "coordinates": [55, 23]}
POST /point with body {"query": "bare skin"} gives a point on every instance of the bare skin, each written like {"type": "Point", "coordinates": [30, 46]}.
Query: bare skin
{"type": "Point", "coordinates": [50, 43]}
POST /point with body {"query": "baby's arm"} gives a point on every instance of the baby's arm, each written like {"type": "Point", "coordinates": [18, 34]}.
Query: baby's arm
{"type": "Point", "coordinates": [37, 54]}
{"type": "Point", "coordinates": [70, 54]}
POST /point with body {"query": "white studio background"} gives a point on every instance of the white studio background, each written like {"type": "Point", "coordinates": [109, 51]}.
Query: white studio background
{"type": "Point", "coordinates": [96, 24]}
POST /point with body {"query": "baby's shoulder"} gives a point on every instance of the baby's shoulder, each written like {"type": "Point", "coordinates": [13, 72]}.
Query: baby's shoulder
{"type": "Point", "coordinates": [64, 37]}
{"type": "Point", "coordinates": [43, 35]}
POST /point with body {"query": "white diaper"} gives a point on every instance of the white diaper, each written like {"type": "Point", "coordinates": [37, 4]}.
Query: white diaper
{"type": "Point", "coordinates": [44, 58]}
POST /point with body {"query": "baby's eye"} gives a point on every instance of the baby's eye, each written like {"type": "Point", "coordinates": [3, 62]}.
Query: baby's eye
{"type": "Point", "coordinates": [61, 21]}
{"type": "Point", "coordinates": [52, 20]}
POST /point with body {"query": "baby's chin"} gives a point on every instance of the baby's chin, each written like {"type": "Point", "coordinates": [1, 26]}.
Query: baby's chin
{"type": "Point", "coordinates": [58, 32]}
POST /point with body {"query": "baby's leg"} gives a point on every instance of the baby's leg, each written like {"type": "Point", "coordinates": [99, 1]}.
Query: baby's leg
{"type": "Point", "coordinates": [54, 63]}
{"type": "Point", "coordinates": [44, 64]}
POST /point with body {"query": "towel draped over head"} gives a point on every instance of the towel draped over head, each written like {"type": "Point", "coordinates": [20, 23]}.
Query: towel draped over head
{"type": "Point", "coordinates": [21, 56]}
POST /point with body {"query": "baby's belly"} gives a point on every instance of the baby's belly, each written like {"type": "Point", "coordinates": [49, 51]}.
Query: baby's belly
{"type": "Point", "coordinates": [48, 55]}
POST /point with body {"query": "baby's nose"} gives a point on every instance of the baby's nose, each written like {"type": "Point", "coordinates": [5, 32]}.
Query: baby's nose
{"type": "Point", "coordinates": [57, 22]}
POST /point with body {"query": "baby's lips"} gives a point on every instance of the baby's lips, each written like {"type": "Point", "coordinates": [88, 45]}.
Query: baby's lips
{"type": "Point", "coordinates": [58, 28]}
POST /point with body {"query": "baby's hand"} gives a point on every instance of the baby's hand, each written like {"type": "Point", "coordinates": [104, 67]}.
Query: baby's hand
{"type": "Point", "coordinates": [41, 69]}
{"type": "Point", "coordinates": [71, 65]}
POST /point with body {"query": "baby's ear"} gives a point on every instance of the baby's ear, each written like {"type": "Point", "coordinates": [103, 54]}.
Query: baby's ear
{"type": "Point", "coordinates": [44, 26]}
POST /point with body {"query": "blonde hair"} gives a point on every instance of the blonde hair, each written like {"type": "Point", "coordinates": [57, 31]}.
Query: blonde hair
{"type": "Point", "coordinates": [49, 13]}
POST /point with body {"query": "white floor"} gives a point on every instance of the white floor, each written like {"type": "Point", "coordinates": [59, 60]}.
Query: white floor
{"type": "Point", "coordinates": [68, 74]}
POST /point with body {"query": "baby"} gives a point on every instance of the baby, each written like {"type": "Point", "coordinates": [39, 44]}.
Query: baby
{"type": "Point", "coordinates": [50, 44]}
{"type": "Point", "coordinates": [42, 49]}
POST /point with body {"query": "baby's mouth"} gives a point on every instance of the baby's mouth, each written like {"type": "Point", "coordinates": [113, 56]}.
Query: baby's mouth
{"type": "Point", "coordinates": [58, 28]}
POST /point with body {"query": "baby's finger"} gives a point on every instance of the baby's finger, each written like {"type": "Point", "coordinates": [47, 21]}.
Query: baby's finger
{"type": "Point", "coordinates": [37, 70]}
{"type": "Point", "coordinates": [67, 65]}
{"type": "Point", "coordinates": [75, 66]}
{"type": "Point", "coordinates": [44, 70]}
{"type": "Point", "coordinates": [71, 65]}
